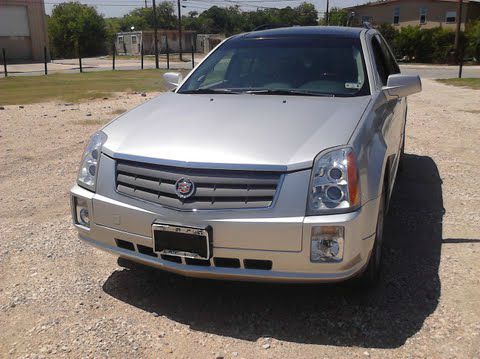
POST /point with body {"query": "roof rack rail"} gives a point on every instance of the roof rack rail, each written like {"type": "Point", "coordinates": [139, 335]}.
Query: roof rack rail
{"type": "Point", "coordinates": [270, 26]}
{"type": "Point", "coordinates": [367, 25]}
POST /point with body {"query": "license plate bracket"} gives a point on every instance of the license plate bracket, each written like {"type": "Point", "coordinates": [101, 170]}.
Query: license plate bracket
{"type": "Point", "coordinates": [182, 241]}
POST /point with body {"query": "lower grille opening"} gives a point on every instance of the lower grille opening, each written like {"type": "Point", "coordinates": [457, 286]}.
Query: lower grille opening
{"type": "Point", "coordinates": [171, 258]}
{"type": "Point", "coordinates": [197, 262]}
{"type": "Point", "coordinates": [257, 264]}
{"type": "Point", "coordinates": [146, 250]}
{"type": "Point", "coordinates": [226, 262]}
{"type": "Point", "coordinates": [125, 244]}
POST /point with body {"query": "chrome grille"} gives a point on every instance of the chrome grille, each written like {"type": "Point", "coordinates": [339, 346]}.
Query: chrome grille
{"type": "Point", "coordinates": [214, 189]}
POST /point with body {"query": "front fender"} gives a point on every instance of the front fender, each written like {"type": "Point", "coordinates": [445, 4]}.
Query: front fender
{"type": "Point", "coordinates": [370, 144]}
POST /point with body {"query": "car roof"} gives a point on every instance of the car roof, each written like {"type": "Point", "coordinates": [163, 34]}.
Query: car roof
{"type": "Point", "coordinates": [305, 31]}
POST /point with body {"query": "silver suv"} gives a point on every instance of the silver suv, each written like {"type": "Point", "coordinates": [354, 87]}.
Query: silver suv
{"type": "Point", "coordinates": [273, 160]}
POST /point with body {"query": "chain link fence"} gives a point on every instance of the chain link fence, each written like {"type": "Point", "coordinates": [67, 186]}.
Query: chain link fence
{"type": "Point", "coordinates": [166, 60]}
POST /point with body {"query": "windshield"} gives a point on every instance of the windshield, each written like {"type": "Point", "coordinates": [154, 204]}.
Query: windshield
{"type": "Point", "coordinates": [297, 66]}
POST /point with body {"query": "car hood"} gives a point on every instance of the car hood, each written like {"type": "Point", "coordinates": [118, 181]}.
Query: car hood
{"type": "Point", "coordinates": [243, 131]}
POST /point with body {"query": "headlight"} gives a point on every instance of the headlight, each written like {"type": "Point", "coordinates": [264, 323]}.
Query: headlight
{"type": "Point", "coordinates": [87, 175]}
{"type": "Point", "coordinates": [334, 185]}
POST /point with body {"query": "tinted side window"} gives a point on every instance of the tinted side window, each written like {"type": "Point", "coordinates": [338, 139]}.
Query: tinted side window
{"type": "Point", "coordinates": [380, 61]}
{"type": "Point", "coordinates": [391, 62]}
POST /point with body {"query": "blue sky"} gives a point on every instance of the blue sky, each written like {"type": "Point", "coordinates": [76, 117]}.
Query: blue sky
{"type": "Point", "coordinates": [120, 7]}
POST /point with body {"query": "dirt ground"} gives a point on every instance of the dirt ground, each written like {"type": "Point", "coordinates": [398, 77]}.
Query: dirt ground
{"type": "Point", "coordinates": [61, 298]}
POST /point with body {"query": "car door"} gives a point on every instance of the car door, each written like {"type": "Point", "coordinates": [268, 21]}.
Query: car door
{"type": "Point", "coordinates": [400, 111]}
{"type": "Point", "coordinates": [391, 111]}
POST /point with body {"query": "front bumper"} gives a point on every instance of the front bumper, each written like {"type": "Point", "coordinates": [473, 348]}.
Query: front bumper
{"type": "Point", "coordinates": [283, 240]}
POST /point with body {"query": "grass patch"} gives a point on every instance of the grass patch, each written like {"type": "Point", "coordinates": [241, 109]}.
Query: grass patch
{"type": "Point", "coordinates": [470, 83]}
{"type": "Point", "coordinates": [17, 90]}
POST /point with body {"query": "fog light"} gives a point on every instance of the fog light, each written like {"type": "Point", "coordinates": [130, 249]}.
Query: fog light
{"type": "Point", "coordinates": [327, 244]}
{"type": "Point", "coordinates": [82, 213]}
{"type": "Point", "coordinates": [84, 216]}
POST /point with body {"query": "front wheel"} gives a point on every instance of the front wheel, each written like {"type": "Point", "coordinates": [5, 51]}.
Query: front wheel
{"type": "Point", "coordinates": [371, 276]}
{"type": "Point", "coordinates": [402, 155]}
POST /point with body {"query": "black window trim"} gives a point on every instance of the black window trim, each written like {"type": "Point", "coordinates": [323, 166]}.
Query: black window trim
{"type": "Point", "coordinates": [389, 63]}
{"type": "Point", "coordinates": [378, 63]}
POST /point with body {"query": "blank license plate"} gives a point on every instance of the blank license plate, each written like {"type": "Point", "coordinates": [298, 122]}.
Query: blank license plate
{"type": "Point", "coordinates": [182, 241]}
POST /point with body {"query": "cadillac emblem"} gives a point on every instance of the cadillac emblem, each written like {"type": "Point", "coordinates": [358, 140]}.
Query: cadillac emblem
{"type": "Point", "coordinates": [184, 188]}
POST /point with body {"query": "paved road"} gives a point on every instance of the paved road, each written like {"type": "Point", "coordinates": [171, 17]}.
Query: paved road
{"type": "Point", "coordinates": [94, 64]}
{"type": "Point", "coordinates": [104, 64]}
{"type": "Point", "coordinates": [440, 72]}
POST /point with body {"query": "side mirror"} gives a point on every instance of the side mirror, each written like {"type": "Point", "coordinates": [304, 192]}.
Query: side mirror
{"type": "Point", "coordinates": [172, 80]}
{"type": "Point", "coordinates": [402, 86]}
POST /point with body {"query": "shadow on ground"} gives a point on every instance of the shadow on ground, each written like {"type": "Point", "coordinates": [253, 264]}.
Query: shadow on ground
{"type": "Point", "coordinates": [332, 315]}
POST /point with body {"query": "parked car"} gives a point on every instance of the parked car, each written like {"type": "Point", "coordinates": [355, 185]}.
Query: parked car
{"type": "Point", "coordinates": [273, 160]}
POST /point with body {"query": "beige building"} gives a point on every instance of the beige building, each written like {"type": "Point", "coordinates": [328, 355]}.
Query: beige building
{"type": "Point", "coordinates": [23, 29]}
{"type": "Point", "coordinates": [424, 13]}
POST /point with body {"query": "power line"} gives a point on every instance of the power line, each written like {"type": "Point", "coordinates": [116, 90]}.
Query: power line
{"type": "Point", "coordinates": [130, 4]}
{"type": "Point", "coordinates": [143, 3]}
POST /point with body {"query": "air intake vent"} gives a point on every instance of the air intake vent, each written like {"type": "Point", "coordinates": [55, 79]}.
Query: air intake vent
{"type": "Point", "coordinates": [146, 250]}
{"type": "Point", "coordinates": [227, 262]}
{"type": "Point", "coordinates": [257, 264]}
{"type": "Point", "coordinates": [125, 244]}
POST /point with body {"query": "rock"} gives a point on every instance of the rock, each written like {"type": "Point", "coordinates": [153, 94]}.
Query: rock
{"type": "Point", "coordinates": [21, 106]}
{"type": "Point", "coordinates": [68, 104]}
{"type": "Point", "coordinates": [266, 346]}
{"type": "Point", "coordinates": [155, 314]}
{"type": "Point", "coordinates": [2, 108]}
{"type": "Point", "coordinates": [144, 94]}
{"type": "Point", "coordinates": [367, 354]}
{"type": "Point", "coordinates": [88, 114]}
{"type": "Point", "coordinates": [234, 354]}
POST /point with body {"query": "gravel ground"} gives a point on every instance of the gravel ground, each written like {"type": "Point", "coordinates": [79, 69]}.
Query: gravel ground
{"type": "Point", "coordinates": [61, 298]}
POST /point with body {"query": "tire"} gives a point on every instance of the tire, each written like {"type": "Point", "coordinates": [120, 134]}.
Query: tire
{"type": "Point", "coordinates": [371, 276]}
{"type": "Point", "coordinates": [402, 155]}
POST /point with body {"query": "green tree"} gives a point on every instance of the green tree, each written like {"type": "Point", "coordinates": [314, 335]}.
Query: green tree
{"type": "Point", "coordinates": [112, 25]}
{"type": "Point", "coordinates": [390, 34]}
{"type": "Point", "coordinates": [473, 40]}
{"type": "Point", "coordinates": [73, 24]}
{"type": "Point", "coordinates": [337, 17]}
{"type": "Point", "coordinates": [143, 19]}
{"type": "Point", "coordinates": [232, 20]}
{"type": "Point", "coordinates": [408, 41]}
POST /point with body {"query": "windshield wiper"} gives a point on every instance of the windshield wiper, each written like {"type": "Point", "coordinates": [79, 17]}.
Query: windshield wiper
{"type": "Point", "coordinates": [292, 92]}
{"type": "Point", "coordinates": [210, 91]}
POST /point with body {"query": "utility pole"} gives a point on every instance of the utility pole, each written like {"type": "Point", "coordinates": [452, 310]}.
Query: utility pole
{"type": "Point", "coordinates": [327, 14]}
{"type": "Point", "coordinates": [458, 51]}
{"type": "Point", "coordinates": [459, 24]}
{"type": "Point", "coordinates": [146, 4]}
{"type": "Point", "coordinates": [155, 33]}
{"type": "Point", "coordinates": [180, 28]}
